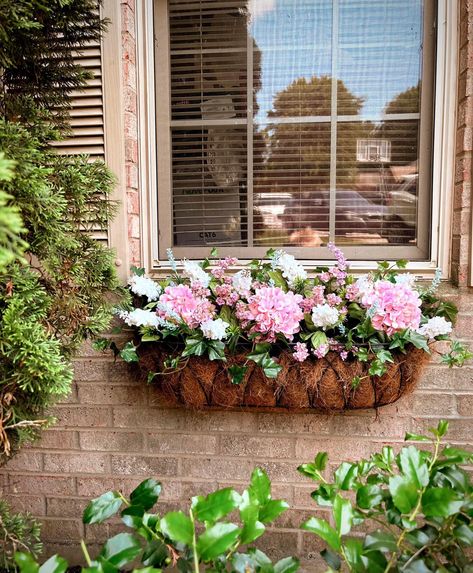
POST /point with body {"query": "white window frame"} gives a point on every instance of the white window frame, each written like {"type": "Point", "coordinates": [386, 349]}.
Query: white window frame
{"type": "Point", "coordinates": [443, 142]}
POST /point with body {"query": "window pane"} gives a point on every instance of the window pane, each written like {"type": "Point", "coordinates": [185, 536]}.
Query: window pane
{"type": "Point", "coordinates": [377, 183]}
{"type": "Point", "coordinates": [209, 186]}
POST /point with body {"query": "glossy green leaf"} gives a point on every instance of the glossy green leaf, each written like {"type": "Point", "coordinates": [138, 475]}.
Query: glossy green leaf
{"type": "Point", "coordinates": [440, 502]}
{"type": "Point", "coordinates": [217, 540]}
{"type": "Point", "coordinates": [178, 527]}
{"type": "Point", "coordinates": [342, 514]}
{"type": "Point", "coordinates": [353, 550]}
{"type": "Point", "coordinates": [249, 512]}
{"type": "Point", "coordinates": [369, 496]}
{"type": "Point", "coordinates": [26, 562]}
{"type": "Point", "coordinates": [380, 541]}
{"type": "Point", "coordinates": [146, 494]}
{"type": "Point", "coordinates": [121, 549]}
{"type": "Point", "coordinates": [132, 516]}
{"type": "Point", "coordinates": [216, 505]}
{"type": "Point", "coordinates": [273, 509]}
{"type": "Point", "coordinates": [404, 493]}
{"type": "Point", "coordinates": [332, 559]}
{"type": "Point", "coordinates": [416, 438]}
{"type": "Point", "coordinates": [345, 475]}
{"type": "Point", "coordinates": [260, 486]}
{"type": "Point", "coordinates": [414, 467]}
{"type": "Point", "coordinates": [103, 507]}
{"type": "Point", "coordinates": [155, 554]}
{"type": "Point", "coordinates": [417, 566]}
{"type": "Point", "coordinates": [287, 565]}
{"type": "Point", "coordinates": [325, 531]}
{"type": "Point", "coordinates": [464, 533]}
{"type": "Point", "coordinates": [261, 559]}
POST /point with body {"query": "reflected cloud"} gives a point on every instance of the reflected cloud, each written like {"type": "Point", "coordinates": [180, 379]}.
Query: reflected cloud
{"type": "Point", "coordinates": [259, 7]}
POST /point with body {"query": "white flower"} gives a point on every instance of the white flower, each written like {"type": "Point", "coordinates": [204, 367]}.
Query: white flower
{"type": "Point", "coordinates": [241, 282]}
{"type": "Point", "coordinates": [435, 327]}
{"type": "Point", "coordinates": [290, 268]}
{"type": "Point", "coordinates": [324, 315]}
{"type": "Point", "coordinates": [364, 286]}
{"type": "Point", "coordinates": [214, 329]}
{"type": "Point", "coordinates": [140, 317]}
{"type": "Point", "coordinates": [144, 286]}
{"type": "Point", "coordinates": [406, 278]}
{"type": "Point", "coordinates": [196, 273]}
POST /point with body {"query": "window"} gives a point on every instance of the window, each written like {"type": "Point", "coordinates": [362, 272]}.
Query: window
{"type": "Point", "coordinates": [284, 123]}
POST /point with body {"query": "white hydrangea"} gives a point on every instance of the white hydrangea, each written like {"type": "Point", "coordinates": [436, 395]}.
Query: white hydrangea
{"type": "Point", "coordinates": [290, 268]}
{"type": "Point", "coordinates": [214, 329]}
{"type": "Point", "coordinates": [144, 286]}
{"type": "Point", "coordinates": [196, 273]}
{"type": "Point", "coordinates": [435, 327]}
{"type": "Point", "coordinates": [406, 278]}
{"type": "Point", "coordinates": [140, 317]}
{"type": "Point", "coordinates": [364, 286]}
{"type": "Point", "coordinates": [241, 282]}
{"type": "Point", "coordinates": [324, 315]}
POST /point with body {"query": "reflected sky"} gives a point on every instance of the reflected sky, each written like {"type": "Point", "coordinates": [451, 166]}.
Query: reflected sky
{"type": "Point", "coordinates": [379, 49]}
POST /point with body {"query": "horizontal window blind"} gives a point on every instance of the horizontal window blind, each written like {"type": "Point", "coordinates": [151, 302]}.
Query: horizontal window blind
{"type": "Point", "coordinates": [293, 124]}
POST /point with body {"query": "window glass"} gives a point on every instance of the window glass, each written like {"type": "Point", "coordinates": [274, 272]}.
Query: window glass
{"type": "Point", "coordinates": [296, 122]}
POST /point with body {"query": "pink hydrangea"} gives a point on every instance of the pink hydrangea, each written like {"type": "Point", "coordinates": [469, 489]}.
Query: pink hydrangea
{"type": "Point", "coordinates": [300, 352]}
{"type": "Point", "coordinates": [316, 297]}
{"type": "Point", "coordinates": [393, 306]}
{"type": "Point", "coordinates": [179, 301]}
{"type": "Point", "coordinates": [333, 299]}
{"type": "Point", "coordinates": [272, 311]}
{"type": "Point", "coordinates": [226, 295]}
{"type": "Point", "coordinates": [321, 350]}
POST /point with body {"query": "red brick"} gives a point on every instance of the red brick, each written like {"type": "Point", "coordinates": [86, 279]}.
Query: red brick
{"type": "Point", "coordinates": [465, 407]}
{"type": "Point", "coordinates": [160, 443]}
{"type": "Point", "coordinates": [34, 504]}
{"type": "Point", "coordinates": [104, 394]}
{"type": "Point", "coordinates": [91, 370]}
{"type": "Point", "coordinates": [146, 466]}
{"type": "Point", "coordinates": [61, 530]}
{"type": "Point", "coordinates": [257, 447]}
{"type": "Point", "coordinates": [90, 487]}
{"type": "Point", "coordinates": [225, 469]}
{"type": "Point", "coordinates": [26, 461]}
{"type": "Point", "coordinates": [65, 506]}
{"type": "Point", "coordinates": [75, 463]}
{"type": "Point", "coordinates": [430, 404]}
{"type": "Point", "coordinates": [82, 416]}
{"type": "Point", "coordinates": [106, 441]}
{"type": "Point", "coordinates": [40, 484]}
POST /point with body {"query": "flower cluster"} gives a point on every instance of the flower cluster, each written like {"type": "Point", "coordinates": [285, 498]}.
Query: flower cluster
{"type": "Point", "coordinates": [277, 305]}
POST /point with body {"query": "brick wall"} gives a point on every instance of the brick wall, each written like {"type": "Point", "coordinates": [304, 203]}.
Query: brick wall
{"type": "Point", "coordinates": [462, 240]}
{"type": "Point", "coordinates": [111, 433]}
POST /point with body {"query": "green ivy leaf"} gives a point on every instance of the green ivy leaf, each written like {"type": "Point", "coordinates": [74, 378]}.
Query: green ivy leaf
{"type": "Point", "coordinates": [146, 494]}
{"type": "Point", "coordinates": [325, 531]}
{"type": "Point", "coordinates": [128, 353]}
{"type": "Point", "coordinates": [178, 527]}
{"type": "Point", "coordinates": [103, 507]}
{"type": "Point", "coordinates": [237, 373]}
{"type": "Point", "coordinates": [216, 505]}
{"type": "Point", "coordinates": [217, 540]}
{"type": "Point", "coordinates": [440, 502]}
{"type": "Point", "coordinates": [121, 549]}
{"type": "Point", "coordinates": [194, 347]}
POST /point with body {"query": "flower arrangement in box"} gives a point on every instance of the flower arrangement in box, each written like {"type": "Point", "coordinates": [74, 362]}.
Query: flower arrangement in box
{"type": "Point", "coordinates": [273, 335]}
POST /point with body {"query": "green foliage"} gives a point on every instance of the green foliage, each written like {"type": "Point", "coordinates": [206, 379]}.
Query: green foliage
{"type": "Point", "coordinates": [18, 532]}
{"type": "Point", "coordinates": [201, 539]}
{"type": "Point", "coordinates": [58, 286]}
{"type": "Point", "coordinates": [421, 502]}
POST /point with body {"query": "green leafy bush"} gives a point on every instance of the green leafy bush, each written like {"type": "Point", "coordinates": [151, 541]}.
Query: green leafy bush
{"type": "Point", "coordinates": [58, 286]}
{"type": "Point", "coordinates": [18, 532]}
{"type": "Point", "coordinates": [420, 503]}
{"type": "Point", "coordinates": [201, 538]}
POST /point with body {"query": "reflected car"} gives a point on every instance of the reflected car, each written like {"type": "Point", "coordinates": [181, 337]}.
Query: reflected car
{"type": "Point", "coordinates": [402, 215]}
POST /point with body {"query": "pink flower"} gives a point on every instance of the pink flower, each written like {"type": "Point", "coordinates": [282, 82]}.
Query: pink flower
{"type": "Point", "coordinates": [272, 311]}
{"type": "Point", "coordinates": [316, 297]}
{"type": "Point", "coordinates": [226, 295]}
{"type": "Point", "coordinates": [393, 306]}
{"type": "Point", "coordinates": [179, 301]}
{"type": "Point", "coordinates": [321, 350]}
{"type": "Point", "coordinates": [333, 299]}
{"type": "Point", "coordinates": [300, 352]}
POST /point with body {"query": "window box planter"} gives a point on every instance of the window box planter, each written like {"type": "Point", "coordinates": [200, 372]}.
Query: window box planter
{"type": "Point", "coordinates": [324, 384]}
